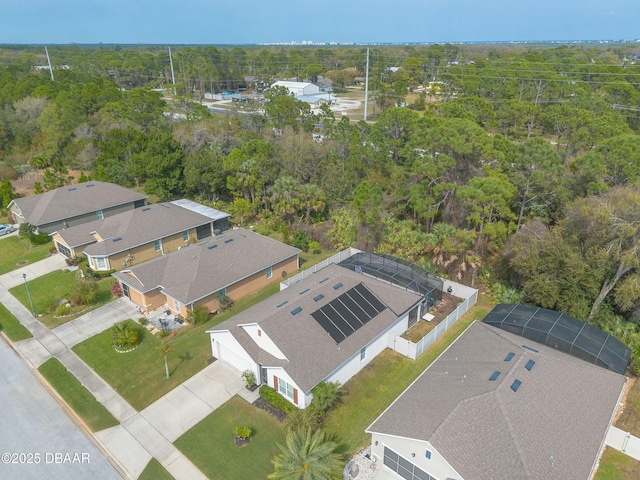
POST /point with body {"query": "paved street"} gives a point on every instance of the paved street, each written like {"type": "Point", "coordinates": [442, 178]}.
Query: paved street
{"type": "Point", "coordinates": [33, 423]}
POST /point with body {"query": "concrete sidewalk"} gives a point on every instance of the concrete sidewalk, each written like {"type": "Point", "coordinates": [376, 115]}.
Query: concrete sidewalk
{"type": "Point", "coordinates": [140, 436]}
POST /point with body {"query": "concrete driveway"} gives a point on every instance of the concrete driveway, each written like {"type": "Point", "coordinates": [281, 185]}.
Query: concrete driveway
{"type": "Point", "coordinates": [186, 405]}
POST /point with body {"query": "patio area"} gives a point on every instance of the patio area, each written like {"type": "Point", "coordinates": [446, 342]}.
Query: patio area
{"type": "Point", "coordinates": [164, 319]}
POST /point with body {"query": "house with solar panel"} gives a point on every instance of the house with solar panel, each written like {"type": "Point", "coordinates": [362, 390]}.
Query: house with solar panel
{"type": "Point", "coordinates": [328, 326]}
{"type": "Point", "coordinates": [526, 394]}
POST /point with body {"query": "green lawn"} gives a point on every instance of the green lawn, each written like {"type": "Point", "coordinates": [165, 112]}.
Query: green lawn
{"type": "Point", "coordinates": [16, 252]}
{"type": "Point", "coordinates": [48, 290]}
{"type": "Point", "coordinates": [155, 471]}
{"type": "Point", "coordinates": [11, 326]}
{"type": "Point", "coordinates": [139, 376]}
{"type": "Point", "coordinates": [209, 445]}
{"type": "Point", "coordinates": [374, 388]}
{"type": "Point", "coordinates": [615, 465]}
{"type": "Point", "coordinates": [78, 397]}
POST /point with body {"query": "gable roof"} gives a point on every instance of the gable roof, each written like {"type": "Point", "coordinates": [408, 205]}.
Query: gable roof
{"type": "Point", "coordinates": [73, 200]}
{"type": "Point", "coordinates": [484, 429]}
{"type": "Point", "coordinates": [311, 353]}
{"type": "Point", "coordinates": [132, 228]}
{"type": "Point", "coordinates": [199, 270]}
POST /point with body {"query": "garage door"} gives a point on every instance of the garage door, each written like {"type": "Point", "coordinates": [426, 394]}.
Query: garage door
{"type": "Point", "coordinates": [232, 359]}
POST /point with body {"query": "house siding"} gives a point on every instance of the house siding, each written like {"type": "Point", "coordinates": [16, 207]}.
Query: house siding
{"type": "Point", "coordinates": [436, 466]}
{"type": "Point", "coordinates": [375, 347]}
{"type": "Point", "coordinates": [259, 280]}
{"type": "Point", "coordinates": [80, 219]}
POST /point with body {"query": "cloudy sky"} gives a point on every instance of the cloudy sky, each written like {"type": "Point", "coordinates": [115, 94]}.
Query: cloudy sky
{"type": "Point", "coordinates": [252, 21]}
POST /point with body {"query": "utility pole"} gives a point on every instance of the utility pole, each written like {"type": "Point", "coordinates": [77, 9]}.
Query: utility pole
{"type": "Point", "coordinates": [49, 61]}
{"type": "Point", "coordinates": [366, 88]}
{"type": "Point", "coordinates": [173, 77]}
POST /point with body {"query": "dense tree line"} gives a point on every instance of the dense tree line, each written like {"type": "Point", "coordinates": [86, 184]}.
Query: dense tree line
{"type": "Point", "coordinates": [519, 166]}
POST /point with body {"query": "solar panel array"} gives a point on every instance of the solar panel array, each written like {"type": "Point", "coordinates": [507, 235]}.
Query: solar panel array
{"type": "Point", "coordinates": [344, 315]}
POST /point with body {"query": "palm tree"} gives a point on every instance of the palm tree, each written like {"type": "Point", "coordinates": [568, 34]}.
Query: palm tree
{"type": "Point", "coordinates": [307, 456]}
{"type": "Point", "coordinates": [163, 349]}
{"type": "Point", "coordinates": [313, 199]}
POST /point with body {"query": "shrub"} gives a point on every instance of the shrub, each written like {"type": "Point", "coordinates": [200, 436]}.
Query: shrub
{"type": "Point", "coordinates": [62, 310]}
{"type": "Point", "coordinates": [304, 418]}
{"type": "Point", "coordinates": [198, 315]}
{"type": "Point", "coordinates": [163, 333]}
{"type": "Point", "coordinates": [40, 239]}
{"type": "Point", "coordinates": [70, 261]}
{"type": "Point", "coordinates": [224, 301]}
{"type": "Point", "coordinates": [301, 240]}
{"type": "Point", "coordinates": [242, 432]}
{"type": "Point", "coordinates": [314, 246]}
{"type": "Point", "coordinates": [142, 321]}
{"type": "Point", "coordinates": [325, 395]}
{"type": "Point", "coordinates": [26, 230]}
{"type": "Point", "coordinates": [84, 293]}
{"type": "Point", "coordinates": [125, 335]}
{"type": "Point", "coordinates": [116, 289]}
{"type": "Point", "coordinates": [272, 397]}
{"type": "Point", "coordinates": [249, 378]}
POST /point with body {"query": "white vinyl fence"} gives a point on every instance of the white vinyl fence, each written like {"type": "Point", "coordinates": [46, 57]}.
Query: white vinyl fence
{"type": "Point", "coordinates": [337, 258]}
{"type": "Point", "coordinates": [414, 350]}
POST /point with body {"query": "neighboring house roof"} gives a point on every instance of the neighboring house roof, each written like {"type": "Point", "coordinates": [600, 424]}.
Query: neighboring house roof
{"type": "Point", "coordinates": [72, 201]}
{"type": "Point", "coordinates": [199, 270]}
{"type": "Point", "coordinates": [132, 228]}
{"type": "Point", "coordinates": [484, 429]}
{"type": "Point", "coordinates": [212, 213]}
{"type": "Point", "coordinates": [311, 353]}
{"type": "Point", "coordinates": [292, 85]}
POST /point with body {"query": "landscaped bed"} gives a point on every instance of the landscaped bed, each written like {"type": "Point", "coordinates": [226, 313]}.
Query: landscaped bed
{"type": "Point", "coordinates": [16, 252]}
{"type": "Point", "coordinates": [92, 412]}
{"type": "Point", "coordinates": [49, 291]}
{"type": "Point", "coordinates": [11, 326]}
{"type": "Point", "coordinates": [210, 444]}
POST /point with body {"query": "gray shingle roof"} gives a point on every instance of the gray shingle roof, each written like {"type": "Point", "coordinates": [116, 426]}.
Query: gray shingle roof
{"type": "Point", "coordinates": [73, 200]}
{"type": "Point", "coordinates": [311, 353]}
{"type": "Point", "coordinates": [199, 270]}
{"type": "Point", "coordinates": [484, 429]}
{"type": "Point", "coordinates": [132, 228]}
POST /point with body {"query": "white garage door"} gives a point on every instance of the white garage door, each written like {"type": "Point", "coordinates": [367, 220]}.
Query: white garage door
{"type": "Point", "coordinates": [232, 359]}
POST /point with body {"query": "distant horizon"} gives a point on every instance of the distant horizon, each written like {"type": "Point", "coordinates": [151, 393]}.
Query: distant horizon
{"type": "Point", "coordinates": [254, 22]}
{"type": "Point", "coordinates": [305, 43]}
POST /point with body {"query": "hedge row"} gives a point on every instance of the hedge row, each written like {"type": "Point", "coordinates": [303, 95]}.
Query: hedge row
{"type": "Point", "coordinates": [277, 400]}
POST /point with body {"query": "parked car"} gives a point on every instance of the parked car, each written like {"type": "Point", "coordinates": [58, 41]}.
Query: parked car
{"type": "Point", "coordinates": [5, 229]}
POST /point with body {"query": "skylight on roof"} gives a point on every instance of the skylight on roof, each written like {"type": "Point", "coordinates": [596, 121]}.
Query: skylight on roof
{"type": "Point", "coordinates": [211, 247]}
{"type": "Point", "coordinates": [530, 348]}
{"type": "Point", "coordinates": [281, 304]}
{"type": "Point", "coordinates": [296, 310]}
{"type": "Point", "coordinates": [89, 185]}
{"type": "Point", "coordinates": [337, 286]}
{"type": "Point", "coordinates": [146, 208]}
{"type": "Point", "coordinates": [305, 291]}
{"type": "Point", "coordinates": [72, 188]}
{"type": "Point", "coordinates": [530, 364]}
{"type": "Point", "coordinates": [324, 280]}
{"type": "Point", "coordinates": [228, 240]}
{"type": "Point", "coordinates": [516, 385]}
{"type": "Point", "coordinates": [117, 239]}
{"type": "Point", "coordinates": [509, 356]}
{"type": "Point", "coordinates": [494, 376]}
{"type": "Point", "coordinates": [318, 297]}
